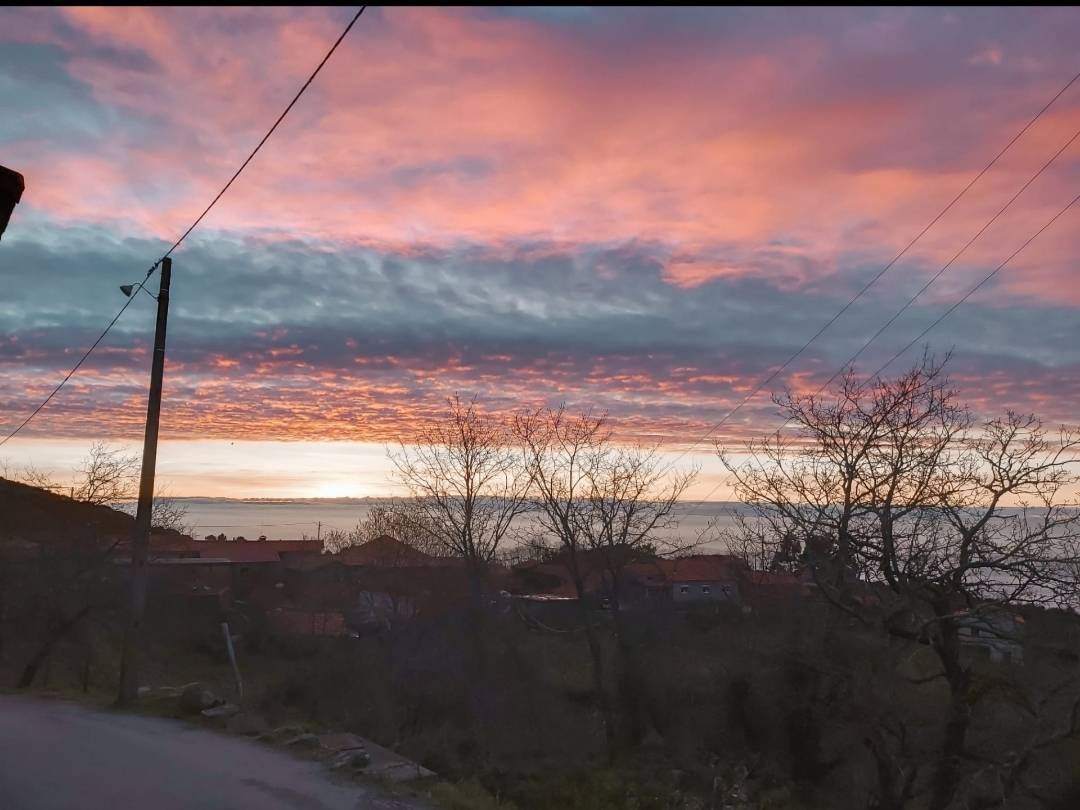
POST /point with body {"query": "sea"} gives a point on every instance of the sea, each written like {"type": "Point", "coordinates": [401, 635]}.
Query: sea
{"type": "Point", "coordinates": [701, 523]}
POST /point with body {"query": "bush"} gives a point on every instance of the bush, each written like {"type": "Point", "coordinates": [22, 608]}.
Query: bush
{"type": "Point", "coordinates": [468, 794]}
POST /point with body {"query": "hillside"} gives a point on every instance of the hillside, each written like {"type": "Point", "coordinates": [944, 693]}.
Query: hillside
{"type": "Point", "coordinates": [31, 514]}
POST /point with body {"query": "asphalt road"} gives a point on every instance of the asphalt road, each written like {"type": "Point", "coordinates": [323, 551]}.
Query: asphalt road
{"type": "Point", "coordinates": [61, 756]}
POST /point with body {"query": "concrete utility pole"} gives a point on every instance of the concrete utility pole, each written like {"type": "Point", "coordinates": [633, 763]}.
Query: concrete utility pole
{"type": "Point", "coordinates": [140, 540]}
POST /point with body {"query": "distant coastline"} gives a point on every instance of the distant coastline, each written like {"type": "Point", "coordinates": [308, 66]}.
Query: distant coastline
{"type": "Point", "coordinates": [297, 518]}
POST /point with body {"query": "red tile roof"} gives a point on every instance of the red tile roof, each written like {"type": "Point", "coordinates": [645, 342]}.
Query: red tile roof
{"type": "Point", "coordinates": [237, 551]}
{"type": "Point", "coordinates": [701, 568]}
{"type": "Point", "coordinates": [661, 573]}
{"type": "Point", "coordinates": [385, 551]}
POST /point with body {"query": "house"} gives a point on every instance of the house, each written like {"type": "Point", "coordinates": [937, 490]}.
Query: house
{"type": "Point", "coordinates": [186, 576]}
{"type": "Point", "coordinates": [994, 634]}
{"type": "Point", "coordinates": [778, 590]}
{"type": "Point", "coordinates": [289, 557]}
{"type": "Point", "coordinates": [555, 576]}
{"type": "Point", "coordinates": [234, 550]}
{"type": "Point", "coordinates": [709, 578]}
{"type": "Point", "coordinates": [552, 578]}
{"type": "Point", "coordinates": [387, 552]}
{"type": "Point", "coordinates": [391, 580]}
{"type": "Point", "coordinates": [701, 578]}
{"type": "Point", "coordinates": [381, 581]}
{"type": "Point", "coordinates": [541, 611]}
{"type": "Point", "coordinates": [239, 568]}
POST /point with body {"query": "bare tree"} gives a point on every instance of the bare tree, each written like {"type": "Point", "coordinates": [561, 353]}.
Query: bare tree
{"type": "Point", "coordinates": [752, 542]}
{"type": "Point", "coordinates": [533, 543]}
{"type": "Point", "coordinates": [467, 484]}
{"type": "Point", "coordinates": [919, 520]}
{"type": "Point", "coordinates": [605, 504]}
{"type": "Point", "coordinates": [107, 476]}
{"type": "Point", "coordinates": [170, 515]}
{"type": "Point", "coordinates": [34, 477]}
{"type": "Point", "coordinates": [403, 519]}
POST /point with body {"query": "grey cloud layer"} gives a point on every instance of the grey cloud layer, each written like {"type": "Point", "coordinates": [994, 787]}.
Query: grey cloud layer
{"type": "Point", "coordinates": [600, 306]}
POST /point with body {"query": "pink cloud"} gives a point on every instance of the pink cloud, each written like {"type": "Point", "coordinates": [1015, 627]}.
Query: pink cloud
{"type": "Point", "coordinates": [504, 131]}
{"type": "Point", "coordinates": [435, 127]}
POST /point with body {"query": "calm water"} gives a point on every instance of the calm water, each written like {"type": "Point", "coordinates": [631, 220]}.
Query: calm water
{"type": "Point", "coordinates": [292, 520]}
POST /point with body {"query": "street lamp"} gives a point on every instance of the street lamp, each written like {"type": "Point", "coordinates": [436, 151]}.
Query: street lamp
{"type": "Point", "coordinates": [130, 289]}
{"type": "Point", "coordinates": [12, 186]}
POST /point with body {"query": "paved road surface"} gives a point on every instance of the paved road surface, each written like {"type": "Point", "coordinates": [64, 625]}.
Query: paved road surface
{"type": "Point", "coordinates": [60, 756]}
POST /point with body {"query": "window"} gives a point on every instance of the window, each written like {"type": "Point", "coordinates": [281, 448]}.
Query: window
{"type": "Point", "coordinates": [684, 589]}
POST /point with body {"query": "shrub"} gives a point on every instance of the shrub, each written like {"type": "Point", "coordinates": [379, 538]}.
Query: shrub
{"type": "Point", "coordinates": [467, 794]}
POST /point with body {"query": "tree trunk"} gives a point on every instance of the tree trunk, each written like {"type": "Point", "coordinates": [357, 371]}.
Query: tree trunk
{"type": "Point", "coordinates": [477, 619]}
{"type": "Point", "coordinates": [947, 779]}
{"type": "Point", "coordinates": [477, 660]}
{"type": "Point", "coordinates": [629, 679]}
{"type": "Point", "coordinates": [597, 655]}
{"type": "Point", "coordinates": [894, 786]}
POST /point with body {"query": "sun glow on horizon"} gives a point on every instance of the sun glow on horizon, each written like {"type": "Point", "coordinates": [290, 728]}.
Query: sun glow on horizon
{"type": "Point", "coordinates": [342, 489]}
{"type": "Point", "coordinates": [287, 470]}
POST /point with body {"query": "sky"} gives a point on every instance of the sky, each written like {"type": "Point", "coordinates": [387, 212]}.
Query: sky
{"type": "Point", "coordinates": [642, 211]}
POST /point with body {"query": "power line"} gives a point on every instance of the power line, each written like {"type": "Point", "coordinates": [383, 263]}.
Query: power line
{"type": "Point", "coordinates": [946, 266]}
{"type": "Point", "coordinates": [82, 360]}
{"type": "Point", "coordinates": [848, 363]}
{"type": "Point", "coordinates": [977, 287]}
{"type": "Point", "coordinates": [757, 389]}
{"type": "Point", "coordinates": [251, 525]}
{"type": "Point", "coordinates": [940, 318]}
{"type": "Point", "coordinates": [192, 227]}
{"type": "Point", "coordinates": [281, 117]}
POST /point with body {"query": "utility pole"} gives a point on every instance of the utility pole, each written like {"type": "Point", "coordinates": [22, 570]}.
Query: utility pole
{"type": "Point", "coordinates": [140, 540]}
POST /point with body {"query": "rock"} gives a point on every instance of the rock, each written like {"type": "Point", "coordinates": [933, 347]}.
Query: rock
{"type": "Point", "coordinates": [284, 732]}
{"type": "Point", "coordinates": [169, 692]}
{"type": "Point", "coordinates": [354, 759]}
{"type": "Point", "coordinates": [224, 710]}
{"type": "Point", "coordinates": [303, 741]}
{"type": "Point", "coordinates": [340, 742]}
{"type": "Point", "coordinates": [280, 734]}
{"type": "Point", "coordinates": [402, 771]}
{"type": "Point", "coordinates": [349, 751]}
{"type": "Point", "coordinates": [376, 761]}
{"type": "Point", "coordinates": [195, 698]}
